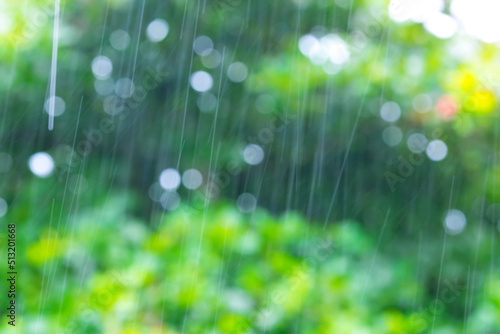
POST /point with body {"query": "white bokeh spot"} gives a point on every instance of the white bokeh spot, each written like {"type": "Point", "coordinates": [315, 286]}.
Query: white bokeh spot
{"type": "Point", "coordinates": [41, 164]}
{"type": "Point", "coordinates": [201, 81]}
{"type": "Point", "coordinates": [455, 222]}
{"type": "Point", "coordinates": [170, 179]}
{"type": "Point", "coordinates": [157, 30]}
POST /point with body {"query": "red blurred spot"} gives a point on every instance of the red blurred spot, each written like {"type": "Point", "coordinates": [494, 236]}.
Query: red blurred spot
{"type": "Point", "coordinates": [446, 107]}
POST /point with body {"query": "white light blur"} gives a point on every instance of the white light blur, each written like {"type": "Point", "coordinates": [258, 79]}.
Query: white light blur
{"type": "Point", "coordinates": [6, 23]}
{"type": "Point", "coordinates": [212, 59]}
{"type": "Point", "coordinates": [330, 48]}
{"type": "Point", "coordinates": [417, 143]}
{"type": "Point", "coordinates": [422, 103]}
{"type": "Point", "coordinates": [113, 105]}
{"type": "Point", "coordinates": [170, 200]}
{"type": "Point", "coordinates": [331, 69]}
{"type": "Point", "coordinates": [192, 179]}
{"type": "Point", "coordinates": [265, 103]}
{"type": "Point", "coordinates": [479, 18]}
{"type": "Point", "coordinates": [41, 164]}
{"type": "Point", "coordinates": [104, 87]}
{"type": "Point", "coordinates": [455, 222]}
{"type": "Point", "coordinates": [390, 111]}
{"type": "Point", "coordinates": [246, 202]}
{"type": "Point", "coordinates": [237, 72]}
{"type": "Point", "coordinates": [206, 102]}
{"type": "Point", "coordinates": [437, 150]}
{"type": "Point", "coordinates": [441, 25]}
{"type": "Point", "coordinates": [119, 39]}
{"type": "Point", "coordinates": [336, 49]}
{"type": "Point", "coordinates": [307, 43]}
{"type": "Point", "coordinates": [392, 135]}
{"type": "Point", "coordinates": [201, 81]}
{"type": "Point", "coordinates": [238, 301]}
{"type": "Point", "coordinates": [59, 106]}
{"type": "Point", "coordinates": [157, 30]}
{"type": "Point", "coordinates": [155, 191]}
{"type": "Point", "coordinates": [416, 11]}
{"type": "Point", "coordinates": [203, 45]}
{"type": "Point", "coordinates": [124, 88]}
{"type": "Point", "coordinates": [253, 154]}
{"type": "Point", "coordinates": [170, 179]}
{"type": "Point", "coordinates": [102, 67]}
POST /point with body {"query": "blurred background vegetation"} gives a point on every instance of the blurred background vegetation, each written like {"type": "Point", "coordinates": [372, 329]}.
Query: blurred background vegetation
{"type": "Point", "coordinates": [341, 157]}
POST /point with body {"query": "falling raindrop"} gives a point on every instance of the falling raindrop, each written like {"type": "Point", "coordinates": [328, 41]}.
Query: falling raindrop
{"type": "Point", "coordinates": [3, 207]}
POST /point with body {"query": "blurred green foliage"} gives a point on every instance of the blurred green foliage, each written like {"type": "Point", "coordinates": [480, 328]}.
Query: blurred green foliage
{"type": "Point", "coordinates": [222, 271]}
{"type": "Point", "coordinates": [105, 259]}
